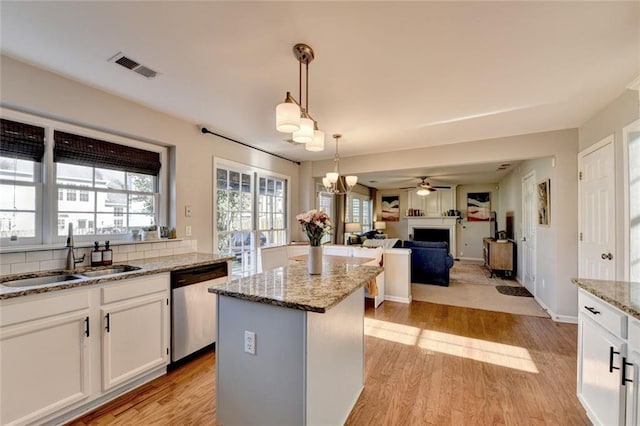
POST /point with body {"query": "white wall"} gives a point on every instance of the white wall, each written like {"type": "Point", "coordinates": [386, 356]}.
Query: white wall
{"type": "Point", "coordinates": [622, 111]}
{"type": "Point", "coordinates": [553, 290]}
{"type": "Point", "coordinates": [37, 91]}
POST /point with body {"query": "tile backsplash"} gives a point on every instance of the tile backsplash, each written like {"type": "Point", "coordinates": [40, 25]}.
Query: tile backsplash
{"type": "Point", "coordinates": [44, 260]}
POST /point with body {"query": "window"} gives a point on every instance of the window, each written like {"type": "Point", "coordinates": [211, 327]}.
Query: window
{"type": "Point", "coordinates": [272, 211]}
{"type": "Point", "coordinates": [325, 203]}
{"type": "Point", "coordinates": [94, 181]}
{"type": "Point", "coordinates": [114, 184]}
{"type": "Point", "coordinates": [21, 153]}
{"type": "Point", "coordinates": [359, 210]}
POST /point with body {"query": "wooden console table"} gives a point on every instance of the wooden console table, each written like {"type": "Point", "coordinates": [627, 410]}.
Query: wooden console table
{"type": "Point", "coordinates": [499, 256]}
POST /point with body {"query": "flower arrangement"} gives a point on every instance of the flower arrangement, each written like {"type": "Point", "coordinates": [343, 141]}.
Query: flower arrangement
{"type": "Point", "coordinates": [316, 224]}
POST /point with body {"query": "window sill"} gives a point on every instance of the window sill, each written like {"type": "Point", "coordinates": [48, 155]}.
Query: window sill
{"type": "Point", "coordinates": [84, 244]}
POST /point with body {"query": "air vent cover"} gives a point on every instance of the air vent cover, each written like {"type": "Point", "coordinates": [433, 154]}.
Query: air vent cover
{"type": "Point", "coordinates": [124, 61]}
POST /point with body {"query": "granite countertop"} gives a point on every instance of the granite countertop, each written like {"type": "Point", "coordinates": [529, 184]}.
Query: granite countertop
{"type": "Point", "coordinates": [293, 287]}
{"type": "Point", "coordinates": [624, 295]}
{"type": "Point", "coordinates": [147, 267]}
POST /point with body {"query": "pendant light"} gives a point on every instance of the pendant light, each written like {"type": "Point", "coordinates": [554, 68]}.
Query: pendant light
{"type": "Point", "coordinates": [332, 181]}
{"type": "Point", "coordinates": [292, 116]}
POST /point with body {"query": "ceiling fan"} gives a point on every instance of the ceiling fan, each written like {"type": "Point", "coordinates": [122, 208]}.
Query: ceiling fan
{"type": "Point", "coordinates": [425, 188]}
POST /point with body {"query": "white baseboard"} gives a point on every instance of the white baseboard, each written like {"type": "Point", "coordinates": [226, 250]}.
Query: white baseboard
{"type": "Point", "coordinates": [398, 299]}
{"type": "Point", "coordinates": [557, 318]}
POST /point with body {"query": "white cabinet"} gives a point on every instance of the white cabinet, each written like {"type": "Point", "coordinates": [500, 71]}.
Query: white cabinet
{"type": "Point", "coordinates": [63, 351]}
{"type": "Point", "coordinates": [435, 203]}
{"type": "Point", "coordinates": [600, 386]}
{"type": "Point", "coordinates": [632, 375]}
{"type": "Point", "coordinates": [135, 339]}
{"type": "Point", "coordinates": [44, 355]}
{"type": "Point", "coordinates": [608, 362]}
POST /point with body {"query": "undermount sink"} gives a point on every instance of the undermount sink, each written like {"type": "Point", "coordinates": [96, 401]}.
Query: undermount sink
{"type": "Point", "coordinates": [110, 271]}
{"type": "Point", "coordinates": [36, 281]}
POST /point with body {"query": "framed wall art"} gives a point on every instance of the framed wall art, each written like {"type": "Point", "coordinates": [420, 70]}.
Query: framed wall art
{"type": "Point", "coordinates": [391, 208]}
{"type": "Point", "coordinates": [478, 206]}
{"type": "Point", "coordinates": [544, 196]}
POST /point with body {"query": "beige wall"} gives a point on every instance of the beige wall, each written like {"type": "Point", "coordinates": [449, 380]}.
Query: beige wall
{"type": "Point", "coordinates": [34, 90]}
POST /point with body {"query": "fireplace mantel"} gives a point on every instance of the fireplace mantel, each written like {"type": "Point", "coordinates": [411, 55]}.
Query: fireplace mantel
{"type": "Point", "coordinates": [440, 222]}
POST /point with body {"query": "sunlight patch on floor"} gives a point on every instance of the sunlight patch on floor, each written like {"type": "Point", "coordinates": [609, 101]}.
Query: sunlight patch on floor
{"type": "Point", "coordinates": [509, 356]}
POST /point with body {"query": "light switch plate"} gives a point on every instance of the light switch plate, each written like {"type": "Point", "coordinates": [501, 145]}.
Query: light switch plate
{"type": "Point", "coordinates": [187, 210]}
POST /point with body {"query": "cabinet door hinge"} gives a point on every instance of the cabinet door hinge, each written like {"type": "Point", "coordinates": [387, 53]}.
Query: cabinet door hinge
{"type": "Point", "coordinates": [579, 175]}
{"type": "Point", "coordinates": [167, 351]}
{"type": "Point", "coordinates": [167, 301]}
{"type": "Point", "coordinates": [581, 236]}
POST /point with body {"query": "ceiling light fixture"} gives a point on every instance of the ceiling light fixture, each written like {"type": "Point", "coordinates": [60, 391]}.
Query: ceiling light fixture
{"type": "Point", "coordinates": [332, 181]}
{"type": "Point", "coordinates": [292, 116]}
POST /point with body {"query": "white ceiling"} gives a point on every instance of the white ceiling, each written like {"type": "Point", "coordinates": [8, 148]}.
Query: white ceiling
{"type": "Point", "coordinates": [387, 75]}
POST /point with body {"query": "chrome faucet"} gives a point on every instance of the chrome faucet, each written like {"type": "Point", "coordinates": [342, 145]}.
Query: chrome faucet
{"type": "Point", "coordinates": [71, 255]}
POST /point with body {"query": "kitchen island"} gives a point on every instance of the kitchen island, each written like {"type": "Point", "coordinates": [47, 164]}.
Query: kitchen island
{"type": "Point", "coordinates": [307, 338]}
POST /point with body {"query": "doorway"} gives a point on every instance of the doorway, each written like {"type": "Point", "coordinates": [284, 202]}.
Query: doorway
{"type": "Point", "coordinates": [529, 211]}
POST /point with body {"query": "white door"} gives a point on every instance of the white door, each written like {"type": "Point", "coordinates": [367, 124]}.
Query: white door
{"type": "Point", "coordinates": [529, 232]}
{"type": "Point", "coordinates": [135, 338]}
{"type": "Point", "coordinates": [597, 212]}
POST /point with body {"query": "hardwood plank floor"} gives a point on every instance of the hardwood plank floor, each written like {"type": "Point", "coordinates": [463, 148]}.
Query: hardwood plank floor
{"type": "Point", "coordinates": [426, 364]}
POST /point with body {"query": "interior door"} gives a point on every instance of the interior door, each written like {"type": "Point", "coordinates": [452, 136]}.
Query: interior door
{"type": "Point", "coordinates": [597, 212]}
{"type": "Point", "coordinates": [529, 232]}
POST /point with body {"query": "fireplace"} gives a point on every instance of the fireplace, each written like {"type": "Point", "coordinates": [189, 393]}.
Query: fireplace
{"type": "Point", "coordinates": [441, 228]}
{"type": "Point", "coordinates": [431, 234]}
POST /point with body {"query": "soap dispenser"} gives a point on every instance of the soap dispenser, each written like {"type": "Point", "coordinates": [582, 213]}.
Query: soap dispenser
{"type": "Point", "coordinates": [107, 254]}
{"type": "Point", "coordinates": [96, 254]}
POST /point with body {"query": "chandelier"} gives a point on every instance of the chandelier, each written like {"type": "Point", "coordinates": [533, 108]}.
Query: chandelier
{"type": "Point", "coordinates": [332, 181]}
{"type": "Point", "coordinates": [292, 116]}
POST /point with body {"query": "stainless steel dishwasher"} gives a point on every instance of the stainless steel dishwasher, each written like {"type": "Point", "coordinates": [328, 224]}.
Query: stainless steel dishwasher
{"type": "Point", "coordinates": [193, 308]}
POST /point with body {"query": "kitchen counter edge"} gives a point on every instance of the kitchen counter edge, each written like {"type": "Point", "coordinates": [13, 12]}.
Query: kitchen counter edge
{"type": "Point", "coordinates": [149, 266]}
{"type": "Point", "coordinates": [292, 286]}
{"type": "Point", "coordinates": [624, 295]}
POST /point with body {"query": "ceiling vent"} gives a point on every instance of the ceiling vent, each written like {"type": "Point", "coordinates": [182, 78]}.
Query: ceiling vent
{"type": "Point", "coordinates": [128, 63]}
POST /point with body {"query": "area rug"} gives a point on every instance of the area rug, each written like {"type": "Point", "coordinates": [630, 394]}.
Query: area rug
{"type": "Point", "coordinates": [471, 287]}
{"type": "Point", "coordinates": [513, 291]}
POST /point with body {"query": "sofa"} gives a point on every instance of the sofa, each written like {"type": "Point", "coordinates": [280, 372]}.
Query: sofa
{"type": "Point", "coordinates": [430, 262]}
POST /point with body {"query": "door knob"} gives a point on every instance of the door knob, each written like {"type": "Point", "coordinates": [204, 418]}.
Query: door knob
{"type": "Point", "coordinates": [609, 256]}
{"type": "Point", "coordinates": [603, 256]}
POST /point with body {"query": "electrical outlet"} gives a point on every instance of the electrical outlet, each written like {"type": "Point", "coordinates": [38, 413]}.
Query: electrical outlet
{"type": "Point", "coordinates": [187, 230]}
{"type": "Point", "coordinates": [250, 342]}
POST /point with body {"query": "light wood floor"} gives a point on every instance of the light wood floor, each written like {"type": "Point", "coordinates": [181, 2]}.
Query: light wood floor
{"type": "Point", "coordinates": [429, 364]}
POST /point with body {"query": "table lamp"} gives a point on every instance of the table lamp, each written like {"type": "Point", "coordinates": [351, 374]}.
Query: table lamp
{"type": "Point", "coordinates": [352, 228]}
{"type": "Point", "coordinates": [380, 226]}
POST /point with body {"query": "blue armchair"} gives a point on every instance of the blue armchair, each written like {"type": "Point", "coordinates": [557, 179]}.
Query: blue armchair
{"type": "Point", "coordinates": [430, 262]}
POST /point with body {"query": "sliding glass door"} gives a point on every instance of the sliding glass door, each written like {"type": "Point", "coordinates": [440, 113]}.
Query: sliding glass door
{"type": "Point", "coordinates": [250, 212]}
